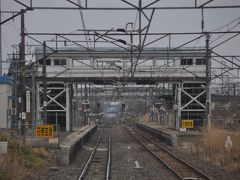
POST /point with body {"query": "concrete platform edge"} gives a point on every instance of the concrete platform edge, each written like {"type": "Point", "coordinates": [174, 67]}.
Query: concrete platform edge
{"type": "Point", "coordinates": [69, 149]}
{"type": "Point", "coordinates": [168, 138]}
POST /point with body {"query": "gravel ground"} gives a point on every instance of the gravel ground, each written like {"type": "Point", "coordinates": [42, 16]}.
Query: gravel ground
{"type": "Point", "coordinates": [215, 172]}
{"type": "Point", "coordinates": [98, 166]}
{"type": "Point", "coordinates": [131, 161]}
{"type": "Point", "coordinates": [56, 172]}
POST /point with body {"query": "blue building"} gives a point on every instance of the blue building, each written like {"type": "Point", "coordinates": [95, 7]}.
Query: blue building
{"type": "Point", "coordinates": [5, 100]}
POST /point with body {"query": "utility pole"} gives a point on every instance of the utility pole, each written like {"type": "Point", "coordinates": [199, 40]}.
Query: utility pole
{"type": "Point", "coordinates": [22, 47]}
{"type": "Point", "coordinates": [44, 75]}
{"type": "Point", "coordinates": [179, 106]}
{"type": "Point", "coordinates": [34, 118]}
{"type": "Point", "coordinates": [22, 73]}
{"type": "Point", "coordinates": [140, 24]}
{"type": "Point", "coordinates": [131, 41]}
{"type": "Point", "coordinates": [208, 82]}
{"type": "Point", "coordinates": [85, 104]}
{"type": "Point", "coordinates": [15, 84]}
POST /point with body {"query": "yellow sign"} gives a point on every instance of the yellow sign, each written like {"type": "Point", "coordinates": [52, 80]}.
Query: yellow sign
{"type": "Point", "coordinates": [44, 131]}
{"type": "Point", "coordinates": [187, 123]}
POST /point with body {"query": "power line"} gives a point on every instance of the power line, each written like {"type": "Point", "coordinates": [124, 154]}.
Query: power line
{"type": "Point", "coordinates": [83, 23]}
{"type": "Point", "coordinates": [221, 27]}
{"type": "Point", "coordinates": [221, 35]}
{"type": "Point", "coordinates": [132, 8]}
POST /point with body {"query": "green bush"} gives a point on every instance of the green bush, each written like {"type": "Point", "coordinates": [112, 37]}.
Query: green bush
{"type": "Point", "coordinates": [24, 155]}
{"type": "Point", "coordinates": [3, 175]}
{"type": "Point", "coordinates": [3, 137]}
{"type": "Point", "coordinates": [22, 161]}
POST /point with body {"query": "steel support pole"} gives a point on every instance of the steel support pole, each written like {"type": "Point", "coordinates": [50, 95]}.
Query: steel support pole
{"type": "Point", "coordinates": [140, 24]}
{"type": "Point", "coordinates": [84, 109]}
{"type": "Point", "coordinates": [131, 70]}
{"type": "Point", "coordinates": [67, 108]}
{"type": "Point", "coordinates": [81, 104]}
{"type": "Point", "coordinates": [33, 107]}
{"type": "Point", "coordinates": [38, 113]}
{"type": "Point", "coordinates": [208, 82]}
{"type": "Point", "coordinates": [179, 105]}
{"type": "Point", "coordinates": [22, 74]}
{"type": "Point", "coordinates": [71, 108]}
{"type": "Point", "coordinates": [75, 110]}
{"type": "Point", "coordinates": [15, 93]}
{"type": "Point", "coordinates": [44, 75]}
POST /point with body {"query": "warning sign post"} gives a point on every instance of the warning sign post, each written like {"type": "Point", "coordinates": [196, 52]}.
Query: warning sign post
{"type": "Point", "coordinates": [187, 123]}
{"type": "Point", "coordinates": [44, 131]}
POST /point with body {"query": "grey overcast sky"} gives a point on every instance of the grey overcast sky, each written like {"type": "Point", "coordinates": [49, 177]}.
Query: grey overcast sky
{"type": "Point", "coordinates": [163, 21]}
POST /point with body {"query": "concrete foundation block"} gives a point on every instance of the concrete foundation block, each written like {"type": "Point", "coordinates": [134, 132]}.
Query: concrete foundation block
{"type": "Point", "coordinates": [65, 152]}
{"type": "Point", "coordinates": [3, 147]}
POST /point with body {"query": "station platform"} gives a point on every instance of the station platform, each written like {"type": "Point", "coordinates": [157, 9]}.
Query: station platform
{"type": "Point", "coordinates": [169, 136]}
{"type": "Point", "coordinates": [71, 144]}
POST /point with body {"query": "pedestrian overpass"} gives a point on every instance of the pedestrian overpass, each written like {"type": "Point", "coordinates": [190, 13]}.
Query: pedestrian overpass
{"type": "Point", "coordinates": [68, 68]}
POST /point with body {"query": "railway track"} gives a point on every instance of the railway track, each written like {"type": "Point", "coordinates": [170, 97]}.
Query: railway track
{"type": "Point", "coordinates": [177, 166]}
{"type": "Point", "coordinates": [98, 165]}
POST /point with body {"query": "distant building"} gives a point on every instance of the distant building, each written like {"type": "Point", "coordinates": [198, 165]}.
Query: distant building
{"type": "Point", "coordinates": [5, 100]}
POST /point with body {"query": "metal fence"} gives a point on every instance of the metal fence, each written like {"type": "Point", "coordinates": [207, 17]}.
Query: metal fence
{"type": "Point", "coordinates": [37, 135]}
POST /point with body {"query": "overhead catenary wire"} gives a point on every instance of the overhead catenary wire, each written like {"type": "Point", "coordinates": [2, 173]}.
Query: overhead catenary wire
{"type": "Point", "coordinates": [223, 26]}
{"type": "Point", "coordinates": [83, 24]}
{"type": "Point", "coordinates": [87, 36]}
{"type": "Point", "coordinates": [226, 32]}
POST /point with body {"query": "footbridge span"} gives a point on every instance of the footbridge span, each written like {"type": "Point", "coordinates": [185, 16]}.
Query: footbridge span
{"type": "Point", "coordinates": [73, 70]}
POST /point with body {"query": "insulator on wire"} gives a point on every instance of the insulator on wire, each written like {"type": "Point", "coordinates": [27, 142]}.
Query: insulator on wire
{"type": "Point", "coordinates": [122, 41]}
{"type": "Point", "coordinates": [121, 30]}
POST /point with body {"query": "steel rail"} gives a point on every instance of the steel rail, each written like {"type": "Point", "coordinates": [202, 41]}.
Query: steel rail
{"type": "Point", "coordinates": [176, 157]}
{"type": "Point", "coordinates": [168, 152]}
{"type": "Point", "coordinates": [87, 165]}
{"type": "Point", "coordinates": [108, 166]}
{"type": "Point", "coordinates": [155, 155]}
